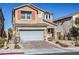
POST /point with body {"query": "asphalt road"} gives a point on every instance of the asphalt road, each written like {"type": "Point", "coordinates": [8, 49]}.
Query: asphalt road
{"type": "Point", "coordinates": [66, 53]}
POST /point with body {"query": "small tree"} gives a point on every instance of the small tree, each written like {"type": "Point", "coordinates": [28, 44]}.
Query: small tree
{"type": "Point", "coordinates": [77, 25]}
{"type": "Point", "coordinates": [77, 22]}
{"type": "Point", "coordinates": [10, 33]}
{"type": "Point", "coordinates": [75, 31]}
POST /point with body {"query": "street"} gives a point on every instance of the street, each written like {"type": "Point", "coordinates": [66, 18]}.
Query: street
{"type": "Point", "coordinates": [52, 51]}
{"type": "Point", "coordinates": [65, 53]}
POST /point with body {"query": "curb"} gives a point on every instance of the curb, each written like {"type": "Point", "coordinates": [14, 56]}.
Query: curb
{"type": "Point", "coordinates": [12, 53]}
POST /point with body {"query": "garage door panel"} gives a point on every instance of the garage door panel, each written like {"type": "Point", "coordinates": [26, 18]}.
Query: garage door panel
{"type": "Point", "coordinates": [31, 35]}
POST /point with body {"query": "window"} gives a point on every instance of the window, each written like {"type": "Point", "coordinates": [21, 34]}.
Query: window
{"type": "Point", "coordinates": [40, 14]}
{"type": "Point", "coordinates": [49, 16]}
{"type": "Point", "coordinates": [50, 30]}
{"type": "Point", "coordinates": [46, 16]}
{"type": "Point", "coordinates": [22, 15]}
{"type": "Point", "coordinates": [26, 14]}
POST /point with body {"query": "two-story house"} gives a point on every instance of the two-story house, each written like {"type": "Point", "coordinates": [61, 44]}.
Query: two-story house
{"type": "Point", "coordinates": [1, 23]}
{"type": "Point", "coordinates": [31, 23]}
{"type": "Point", "coordinates": [64, 25]}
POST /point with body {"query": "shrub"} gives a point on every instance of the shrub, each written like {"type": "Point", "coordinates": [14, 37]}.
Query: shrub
{"type": "Point", "coordinates": [1, 43]}
{"type": "Point", "coordinates": [50, 39]}
{"type": "Point", "coordinates": [76, 43]}
{"type": "Point", "coordinates": [57, 42]}
{"type": "Point", "coordinates": [17, 46]}
{"type": "Point", "coordinates": [2, 40]}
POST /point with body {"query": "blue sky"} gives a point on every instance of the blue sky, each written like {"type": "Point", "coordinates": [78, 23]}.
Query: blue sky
{"type": "Point", "coordinates": [57, 9]}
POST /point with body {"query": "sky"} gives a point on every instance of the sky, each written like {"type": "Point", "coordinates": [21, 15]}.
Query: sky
{"type": "Point", "coordinates": [58, 10]}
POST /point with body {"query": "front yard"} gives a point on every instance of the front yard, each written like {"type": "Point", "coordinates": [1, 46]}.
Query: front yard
{"type": "Point", "coordinates": [66, 43]}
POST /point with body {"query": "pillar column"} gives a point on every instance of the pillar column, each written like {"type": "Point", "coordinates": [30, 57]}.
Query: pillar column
{"type": "Point", "coordinates": [56, 37]}
{"type": "Point", "coordinates": [45, 34]}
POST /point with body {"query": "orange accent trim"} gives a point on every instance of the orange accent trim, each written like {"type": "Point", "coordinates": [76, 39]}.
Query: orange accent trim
{"type": "Point", "coordinates": [18, 15]}
{"type": "Point", "coordinates": [33, 15]}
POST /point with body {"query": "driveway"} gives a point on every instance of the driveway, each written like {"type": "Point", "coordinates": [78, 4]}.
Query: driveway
{"type": "Point", "coordinates": [41, 47]}
{"type": "Point", "coordinates": [37, 45]}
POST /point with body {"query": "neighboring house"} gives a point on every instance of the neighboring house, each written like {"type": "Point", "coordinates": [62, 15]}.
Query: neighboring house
{"type": "Point", "coordinates": [65, 24]}
{"type": "Point", "coordinates": [1, 23]}
{"type": "Point", "coordinates": [31, 23]}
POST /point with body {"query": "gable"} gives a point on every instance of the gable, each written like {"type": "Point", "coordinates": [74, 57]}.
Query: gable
{"type": "Point", "coordinates": [37, 13]}
{"type": "Point", "coordinates": [26, 8]}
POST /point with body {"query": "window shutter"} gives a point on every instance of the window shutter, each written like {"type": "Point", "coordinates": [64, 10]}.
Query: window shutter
{"type": "Point", "coordinates": [33, 15]}
{"type": "Point", "coordinates": [19, 14]}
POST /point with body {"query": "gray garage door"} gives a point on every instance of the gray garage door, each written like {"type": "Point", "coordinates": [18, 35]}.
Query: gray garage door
{"type": "Point", "coordinates": [31, 35]}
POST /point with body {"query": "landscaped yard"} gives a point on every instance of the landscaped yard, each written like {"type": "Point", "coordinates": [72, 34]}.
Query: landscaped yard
{"type": "Point", "coordinates": [67, 43]}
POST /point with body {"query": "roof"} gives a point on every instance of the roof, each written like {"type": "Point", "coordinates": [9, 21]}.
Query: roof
{"type": "Point", "coordinates": [65, 17]}
{"type": "Point", "coordinates": [36, 25]}
{"type": "Point", "coordinates": [31, 25]}
{"type": "Point", "coordinates": [31, 5]}
{"type": "Point", "coordinates": [47, 21]}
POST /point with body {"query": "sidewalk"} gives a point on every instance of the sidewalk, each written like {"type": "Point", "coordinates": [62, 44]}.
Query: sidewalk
{"type": "Point", "coordinates": [11, 51]}
{"type": "Point", "coordinates": [50, 50]}
{"type": "Point", "coordinates": [38, 51]}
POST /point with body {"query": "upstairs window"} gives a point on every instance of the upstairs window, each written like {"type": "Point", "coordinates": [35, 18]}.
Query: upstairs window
{"type": "Point", "coordinates": [49, 17]}
{"type": "Point", "coordinates": [40, 14]}
{"type": "Point", "coordinates": [46, 16]}
{"type": "Point", "coordinates": [26, 15]}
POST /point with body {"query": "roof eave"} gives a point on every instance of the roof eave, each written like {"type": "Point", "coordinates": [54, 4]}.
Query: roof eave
{"type": "Point", "coordinates": [31, 6]}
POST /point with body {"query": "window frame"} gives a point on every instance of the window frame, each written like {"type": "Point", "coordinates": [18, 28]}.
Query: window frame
{"type": "Point", "coordinates": [50, 30]}
{"type": "Point", "coordinates": [25, 15]}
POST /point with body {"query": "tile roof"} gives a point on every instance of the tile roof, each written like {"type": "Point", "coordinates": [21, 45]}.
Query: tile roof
{"type": "Point", "coordinates": [64, 17]}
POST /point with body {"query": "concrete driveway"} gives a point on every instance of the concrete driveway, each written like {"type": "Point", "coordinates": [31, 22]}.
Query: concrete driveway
{"type": "Point", "coordinates": [37, 45]}
{"type": "Point", "coordinates": [44, 47]}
